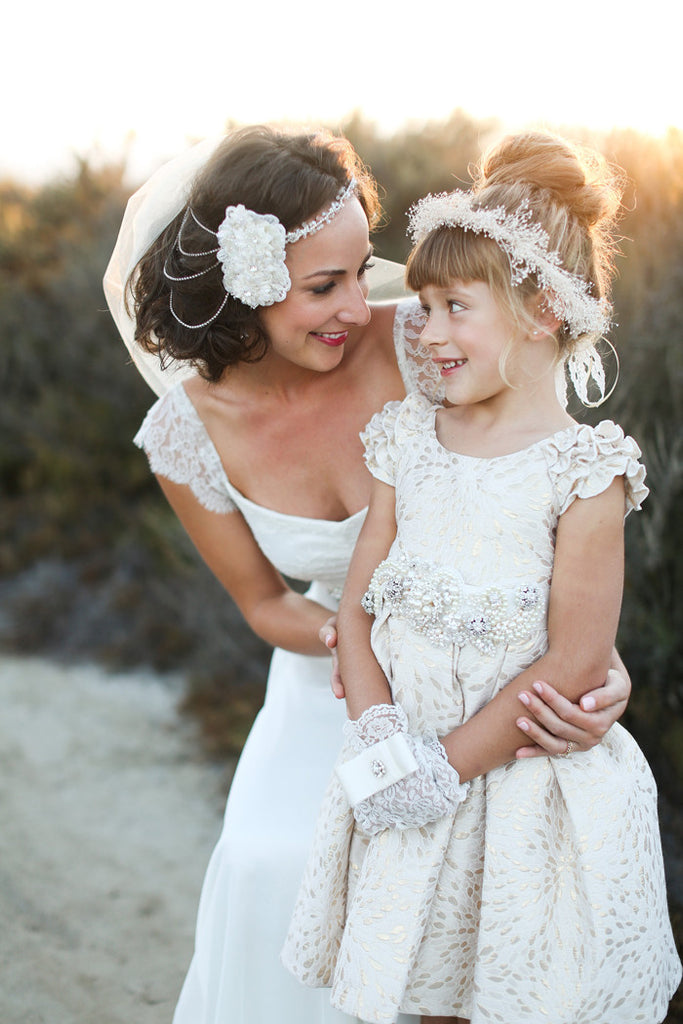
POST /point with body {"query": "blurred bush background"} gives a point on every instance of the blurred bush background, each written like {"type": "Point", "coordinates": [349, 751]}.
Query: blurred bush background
{"type": "Point", "coordinates": [93, 564]}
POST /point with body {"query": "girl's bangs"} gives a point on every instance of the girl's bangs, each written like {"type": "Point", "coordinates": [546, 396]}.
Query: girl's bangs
{"type": "Point", "coordinates": [453, 254]}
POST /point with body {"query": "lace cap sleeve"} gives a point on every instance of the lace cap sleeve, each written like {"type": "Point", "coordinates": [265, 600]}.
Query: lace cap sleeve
{"type": "Point", "coordinates": [587, 460]}
{"type": "Point", "coordinates": [418, 371]}
{"type": "Point", "coordinates": [178, 447]}
{"type": "Point", "coordinates": [387, 431]}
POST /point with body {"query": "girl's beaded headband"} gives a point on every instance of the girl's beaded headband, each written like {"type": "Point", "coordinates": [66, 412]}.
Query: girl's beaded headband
{"type": "Point", "coordinates": [526, 244]}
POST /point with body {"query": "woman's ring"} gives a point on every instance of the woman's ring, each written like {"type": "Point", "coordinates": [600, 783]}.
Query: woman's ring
{"type": "Point", "coordinates": [570, 747]}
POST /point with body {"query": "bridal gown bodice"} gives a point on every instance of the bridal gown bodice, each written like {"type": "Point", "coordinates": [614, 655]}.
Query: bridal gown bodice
{"type": "Point", "coordinates": [178, 447]}
{"type": "Point", "coordinates": [251, 882]}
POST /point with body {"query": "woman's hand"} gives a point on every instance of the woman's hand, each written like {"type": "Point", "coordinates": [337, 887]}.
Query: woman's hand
{"type": "Point", "coordinates": [557, 722]}
{"type": "Point", "coordinates": [328, 636]}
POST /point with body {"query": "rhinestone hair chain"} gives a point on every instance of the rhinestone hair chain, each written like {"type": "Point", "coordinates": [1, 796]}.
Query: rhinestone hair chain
{"type": "Point", "coordinates": [251, 252]}
{"type": "Point", "coordinates": [526, 244]}
{"type": "Point", "coordinates": [310, 227]}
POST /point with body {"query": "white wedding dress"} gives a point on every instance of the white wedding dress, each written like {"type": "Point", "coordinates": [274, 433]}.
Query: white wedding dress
{"type": "Point", "coordinates": [252, 880]}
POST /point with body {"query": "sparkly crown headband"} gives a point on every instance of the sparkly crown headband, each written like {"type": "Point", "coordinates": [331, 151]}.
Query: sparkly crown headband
{"type": "Point", "coordinates": [526, 245]}
{"type": "Point", "coordinates": [251, 253]}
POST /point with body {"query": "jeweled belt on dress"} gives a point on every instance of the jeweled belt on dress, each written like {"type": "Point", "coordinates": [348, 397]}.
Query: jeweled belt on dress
{"type": "Point", "coordinates": [438, 604]}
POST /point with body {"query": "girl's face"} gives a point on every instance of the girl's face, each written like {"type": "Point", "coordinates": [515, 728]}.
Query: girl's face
{"type": "Point", "coordinates": [466, 334]}
{"type": "Point", "coordinates": [327, 298]}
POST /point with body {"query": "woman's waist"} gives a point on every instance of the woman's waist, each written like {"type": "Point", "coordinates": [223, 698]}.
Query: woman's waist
{"type": "Point", "coordinates": [441, 604]}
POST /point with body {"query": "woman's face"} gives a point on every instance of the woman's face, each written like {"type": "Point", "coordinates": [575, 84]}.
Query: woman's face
{"type": "Point", "coordinates": [328, 295]}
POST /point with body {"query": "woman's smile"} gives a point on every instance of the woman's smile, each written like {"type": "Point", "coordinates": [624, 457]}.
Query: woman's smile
{"type": "Point", "coordinates": [331, 339]}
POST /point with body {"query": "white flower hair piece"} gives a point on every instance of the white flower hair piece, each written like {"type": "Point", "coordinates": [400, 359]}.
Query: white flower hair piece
{"type": "Point", "coordinates": [526, 245]}
{"type": "Point", "coordinates": [252, 255]}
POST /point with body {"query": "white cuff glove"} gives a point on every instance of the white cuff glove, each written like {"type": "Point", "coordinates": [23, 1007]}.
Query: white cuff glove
{"type": "Point", "coordinates": [397, 780]}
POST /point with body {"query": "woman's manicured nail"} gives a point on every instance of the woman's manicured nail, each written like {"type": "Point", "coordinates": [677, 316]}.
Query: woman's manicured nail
{"type": "Point", "coordinates": [588, 703]}
{"type": "Point", "coordinates": [524, 697]}
{"type": "Point", "coordinates": [523, 725]}
{"type": "Point", "coordinates": [538, 687]}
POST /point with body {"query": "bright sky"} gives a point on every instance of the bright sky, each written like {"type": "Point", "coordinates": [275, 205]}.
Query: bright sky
{"type": "Point", "coordinates": [79, 78]}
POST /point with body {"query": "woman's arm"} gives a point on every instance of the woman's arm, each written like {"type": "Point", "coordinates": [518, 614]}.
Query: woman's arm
{"type": "Point", "coordinates": [276, 613]}
{"type": "Point", "coordinates": [585, 601]}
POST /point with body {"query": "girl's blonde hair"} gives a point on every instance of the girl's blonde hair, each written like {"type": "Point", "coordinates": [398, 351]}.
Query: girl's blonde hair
{"type": "Point", "coordinates": [572, 192]}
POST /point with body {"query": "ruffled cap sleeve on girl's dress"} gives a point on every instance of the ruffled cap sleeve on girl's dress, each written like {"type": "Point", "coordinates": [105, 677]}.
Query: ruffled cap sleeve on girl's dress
{"type": "Point", "coordinates": [587, 460]}
{"type": "Point", "coordinates": [178, 447]}
{"type": "Point", "coordinates": [386, 433]}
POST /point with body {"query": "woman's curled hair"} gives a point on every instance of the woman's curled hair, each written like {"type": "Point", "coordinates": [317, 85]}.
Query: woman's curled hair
{"type": "Point", "coordinates": [294, 177]}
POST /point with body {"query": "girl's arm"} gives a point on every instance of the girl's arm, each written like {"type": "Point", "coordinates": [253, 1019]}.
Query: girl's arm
{"type": "Point", "coordinates": [552, 720]}
{"type": "Point", "coordinates": [583, 614]}
{"type": "Point", "coordinates": [276, 613]}
{"type": "Point", "coordinates": [394, 778]}
{"type": "Point", "coordinates": [364, 681]}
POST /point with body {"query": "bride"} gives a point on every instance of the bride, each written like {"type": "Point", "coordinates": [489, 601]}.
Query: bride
{"type": "Point", "coordinates": [239, 282]}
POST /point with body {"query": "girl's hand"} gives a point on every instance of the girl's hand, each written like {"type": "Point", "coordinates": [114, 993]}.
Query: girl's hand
{"type": "Point", "coordinates": [328, 636]}
{"type": "Point", "coordinates": [420, 785]}
{"type": "Point", "coordinates": [559, 722]}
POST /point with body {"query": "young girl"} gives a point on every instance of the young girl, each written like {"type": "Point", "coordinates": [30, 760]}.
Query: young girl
{"type": "Point", "coordinates": [469, 889]}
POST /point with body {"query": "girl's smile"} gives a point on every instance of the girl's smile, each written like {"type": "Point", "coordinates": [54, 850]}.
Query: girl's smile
{"type": "Point", "coordinates": [466, 334]}
{"type": "Point", "coordinates": [448, 366]}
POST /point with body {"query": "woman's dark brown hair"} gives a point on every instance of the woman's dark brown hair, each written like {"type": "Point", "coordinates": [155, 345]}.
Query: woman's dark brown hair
{"type": "Point", "coordinates": [294, 177]}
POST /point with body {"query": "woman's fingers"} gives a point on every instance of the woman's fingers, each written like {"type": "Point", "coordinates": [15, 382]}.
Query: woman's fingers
{"type": "Point", "coordinates": [335, 679]}
{"type": "Point", "coordinates": [556, 721]}
{"type": "Point", "coordinates": [328, 632]}
{"type": "Point", "coordinates": [553, 711]}
{"type": "Point", "coordinates": [328, 635]}
{"type": "Point", "coordinates": [614, 694]}
{"type": "Point", "coordinates": [541, 742]}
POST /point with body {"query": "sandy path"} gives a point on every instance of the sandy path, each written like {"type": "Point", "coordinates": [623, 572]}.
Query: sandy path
{"type": "Point", "coordinates": [107, 818]}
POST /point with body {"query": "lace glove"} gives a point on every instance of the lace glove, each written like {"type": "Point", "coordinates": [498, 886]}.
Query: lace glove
{"type": "Point", "coordinates": [397, 780]}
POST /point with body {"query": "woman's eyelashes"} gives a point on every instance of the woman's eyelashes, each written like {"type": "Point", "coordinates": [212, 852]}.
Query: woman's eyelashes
{"type": "Point", "coordinates": [327, 287]}
{"type": "Point", "coordinates": [324, 289]}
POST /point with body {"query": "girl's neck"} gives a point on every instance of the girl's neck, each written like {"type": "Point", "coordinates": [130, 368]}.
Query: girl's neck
{"type": "Point", "coordinates": [513, 420]}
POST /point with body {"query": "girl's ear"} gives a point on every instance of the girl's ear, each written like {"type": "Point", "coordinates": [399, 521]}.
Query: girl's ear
{"type": "Point", "coordinates": [547, 322]}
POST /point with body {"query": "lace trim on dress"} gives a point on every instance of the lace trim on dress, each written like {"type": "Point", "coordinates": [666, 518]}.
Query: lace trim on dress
{"type": "Point", "coordinates": [179, 448]}
{"type": "Point", "coordinates": [418, 371]}
{"type": "Point", "coordinates": [584, 463]}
